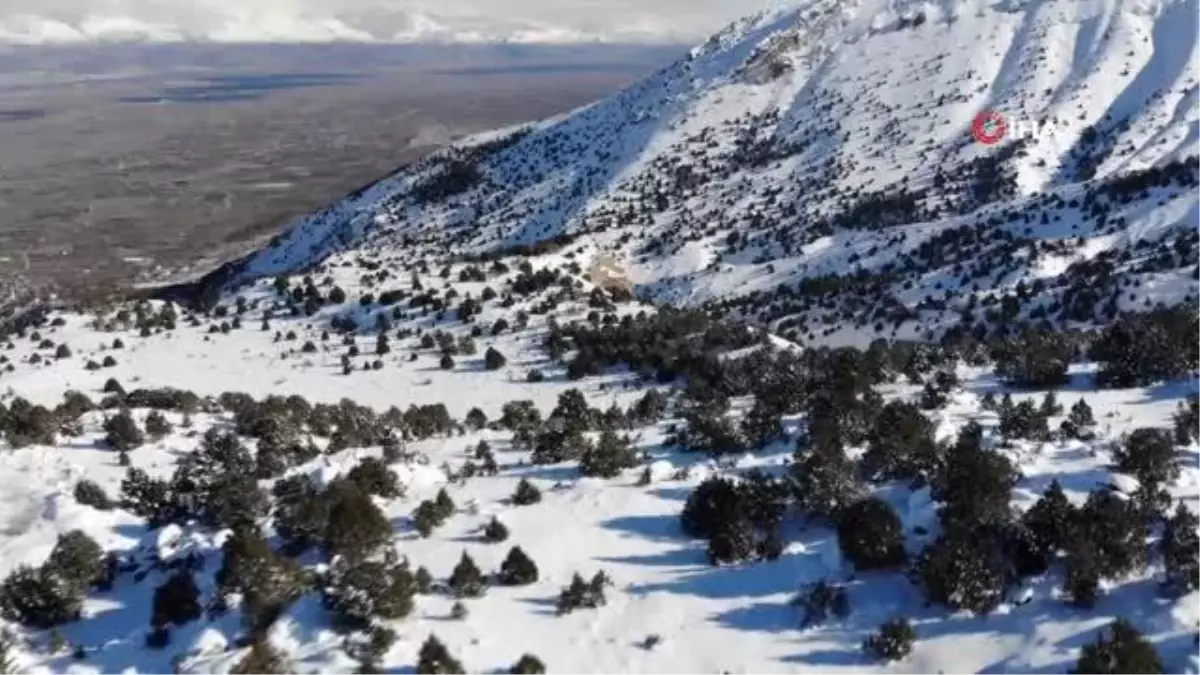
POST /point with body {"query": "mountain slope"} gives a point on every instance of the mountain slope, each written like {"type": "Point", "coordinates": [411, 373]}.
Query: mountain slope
{"type": "Point", "coordinates": [834, 139]}
{"type": "Point", "coordinates": [367, 396]}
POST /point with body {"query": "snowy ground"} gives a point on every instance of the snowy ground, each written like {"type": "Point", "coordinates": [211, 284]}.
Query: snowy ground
{"type": "Point", "coordinates": [729, 619]}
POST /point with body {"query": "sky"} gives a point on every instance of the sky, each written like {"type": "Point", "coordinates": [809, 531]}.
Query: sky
{"type": "Point", "coordinates": [54, 21]}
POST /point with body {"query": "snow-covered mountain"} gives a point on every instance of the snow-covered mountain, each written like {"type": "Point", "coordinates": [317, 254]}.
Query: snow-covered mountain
{"type": "Point", "coordinates": [441, 405]}
{"type": "Point", "coordinates": [834, 139]}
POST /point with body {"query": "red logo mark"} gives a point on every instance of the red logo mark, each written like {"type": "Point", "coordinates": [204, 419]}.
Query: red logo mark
{"type": "Point", "coordinates": [989, 127]}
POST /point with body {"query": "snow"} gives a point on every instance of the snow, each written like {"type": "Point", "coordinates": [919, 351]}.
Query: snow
{"type": "Point", "coordinates": [859, 88]}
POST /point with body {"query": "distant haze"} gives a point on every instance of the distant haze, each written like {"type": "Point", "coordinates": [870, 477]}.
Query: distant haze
{"type": "Point", "coordinates": [525, 21]}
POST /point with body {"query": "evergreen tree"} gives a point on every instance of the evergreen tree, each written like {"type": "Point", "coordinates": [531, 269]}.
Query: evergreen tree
{"type": "Point", "coordinates": [526, 493]}
{"type": "Point", "coordinates": [817, 601]}
{"type": "Point", "coordinates": [975, 485]}
{"type": "Point", "coordinates": [893, 642]}
{"type": "Point", "coordinates": [900, 445]}
{"type": "Point", "coordinates": [1181, 551]}
{"type": "Point", "coordinates": [91, 494]}
{"type": "Point", "coordinates": [823, 477]}
{"type": "Point", "coordinates": [359, 591]}
{"type": "Point", "coordinates": [609, 456]}
{"type": "Point", "coordinates": [356, 527]}
{"type": "Point", "coordinates": [122, 432]}
{"type": "Point", "coordinates": [870, 535]}
{"type": "Point", "coordinates": [1080, 422]}
{"type": "Point", "coordinates": [964, 569]}
{"type": "Point", "coordinates": [266, 581]}
{"type": "Point", "coordinates": [1049, 521]}
{"type": "Point", "coordinates": [528, 664]}
{"type": "Point", "coordinates": [495, 531]}
{"type": "Point", "coordinates": [493, 359]}
{"type": "Point", "coordinates": [157, 425]}
{"type": "Point", "coordinates": [435, 659]}
{"type": "Point", "coordinates": [466, 580]}
{"type": "Point", "coordinates": [1119, 649]}
{"type": "Point", "coordinates": [518, 568]}
{"type": "Point", "coordinates": [1148, 454]}
{"type": "Point", "coordinates": [176, 601]}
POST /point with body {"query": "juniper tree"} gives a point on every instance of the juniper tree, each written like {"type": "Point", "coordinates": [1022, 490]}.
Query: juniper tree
{"type": "Point", "coordinates": [818, 601]}
{"type": "Point", "coordinates": [901, 445]}
{"type": "Point", "coordinates": [528, 664]}
{"type": "Point", "coordinates": [1049, 521]}
{"type": "Point", "coordinates": [893, 642]}
{"type": "Point", "coordinates": [1181, 551]}
{"type": "Point", "coordinates": [356, 527]}
{"type": "Point", "coordinates": [122, 432]}
{"type": "Point", "coordinates": [466, 581]}
{"type": "Point", "coordinates": [518, 569]}
{"type": "Point", "coordinates": [526, 493]}
{"type": "Point", "coordinates": [91, 494]}
{"type": "Point", "coordinates": [609, 456]}
{"type": "Point", "coordinates": [1120, 648]}
{"type": "Point", "coordinates": [359, 591]}
{"type": "Point", "coordinates": [435, 659]}
{"type": "Point", "coordinates": [266, 581]}
{"type": "Point", "coordinates": [870, 535]}
{"type": "Point", "coordinates": [176, 601]}
{"type": "Point", "coordinates": [495, 531]}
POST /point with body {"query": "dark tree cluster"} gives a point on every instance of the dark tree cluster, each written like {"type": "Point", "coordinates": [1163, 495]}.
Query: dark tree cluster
{"type": "Point", "coordinates": [53, 594]}
{"type": "Point", "coordinates": [740, 519]}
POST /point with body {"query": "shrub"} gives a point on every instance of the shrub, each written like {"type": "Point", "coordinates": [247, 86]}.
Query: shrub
{"type": "Point", "coordinates": [1034, 358]}
{"type": "Point", "coordinates": [301, 513]}
{"type": "Point", "coordinates": [91, 494]}
{"type": "Point", "coordinates": [39, 598]}
{"type": "Point", "coordinates": [870, 535]}
{"type": "Point", "coordinates": [819, 600]}
{"type": "Point", "coordinates": [901, 445]}
{"type": "Point", "coordinates": [1141, 349]}
{"type": "Point", "coordinates": [583, 595]}
{"type": "Point", "coordinates": [1148, 454]}
{"type": "Point", "coordinates": [76, 559]}
{"type": "Point", "coordinates": [893, 642]}
{"type": "Point", "coordinates": [157, 425]}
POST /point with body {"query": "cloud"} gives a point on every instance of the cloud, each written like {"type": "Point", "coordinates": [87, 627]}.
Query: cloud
{"type": "Point", "coordinates": [42, 21]}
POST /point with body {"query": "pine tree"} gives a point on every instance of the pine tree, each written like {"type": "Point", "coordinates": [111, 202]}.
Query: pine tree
{"type": "Point", "coordinates": [1049, 521]}
{"type": "Point", "coordinates": [435, 659]}
{"type": "Point", "coordinates": [356, 527]}
{"type": "Point", "coordinates": [122, 432]}
{"type": "Point", "coordinates": [495, 531]}
{"type": "Point", "coordinates": [466, 580]}
{"type": "Point", "coordinates": [1119, 649]}
{"type": "Point", "coordinates": [610, 455]}
{"type": "Point", "coordinates": [518, 569]}
{"type": "Point", "coordinates": [493, 359]}
{"type": "Point", "coordinates": [870, 535]}
{"type": "Point", "coordinates": [526, 493]}
{"type": "Point", "coordinates": [1181, 551]}
{"type": "Point", "coordinates": [1050, 405]}
{"type": "Point", "coordinates": [528, 664]}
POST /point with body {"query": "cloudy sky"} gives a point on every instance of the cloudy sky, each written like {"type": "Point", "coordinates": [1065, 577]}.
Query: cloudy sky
{"type": "Point", "coordinates": [39, 21]}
